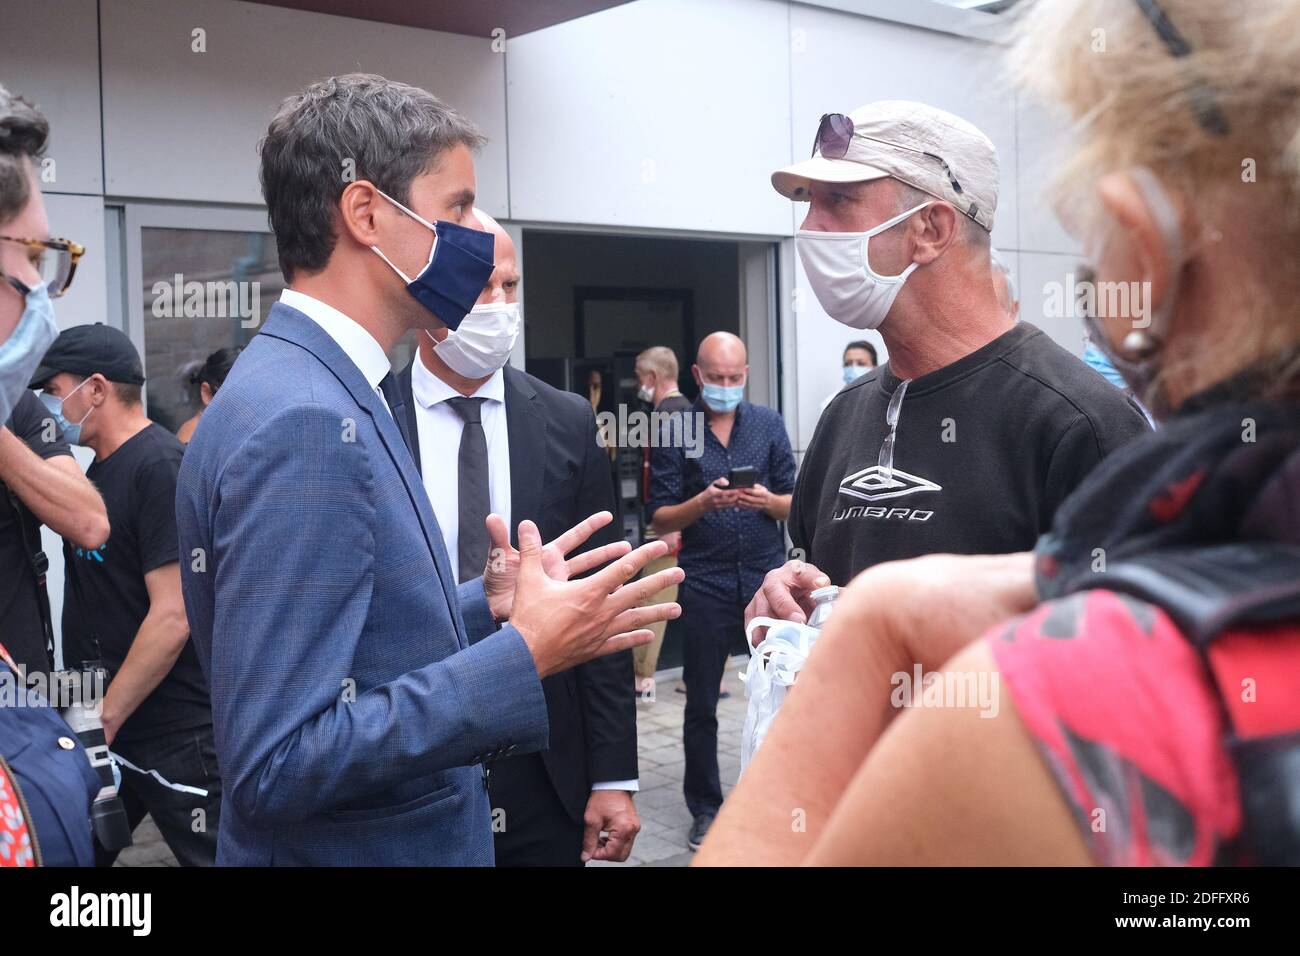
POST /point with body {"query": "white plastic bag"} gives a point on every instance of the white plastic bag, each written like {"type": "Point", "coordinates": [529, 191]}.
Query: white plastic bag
{"type": "Point", "coordinates": [773, 666]}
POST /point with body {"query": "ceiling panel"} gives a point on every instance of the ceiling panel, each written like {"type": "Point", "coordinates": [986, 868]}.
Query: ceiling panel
{"type": "Point", "coordinates": [474, 18]}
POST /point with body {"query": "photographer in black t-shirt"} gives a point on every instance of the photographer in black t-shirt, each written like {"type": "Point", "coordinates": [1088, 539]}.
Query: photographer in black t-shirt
{"type": "Point", "coordinates": [40, 484]}
{"type": "Point", "coordinates": [122, 602]}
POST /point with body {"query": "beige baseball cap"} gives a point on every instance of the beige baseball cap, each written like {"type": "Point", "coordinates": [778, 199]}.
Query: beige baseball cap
{"type": "Point", "coordinates": [927, 148]}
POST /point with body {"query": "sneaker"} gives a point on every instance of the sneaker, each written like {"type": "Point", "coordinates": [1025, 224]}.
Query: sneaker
{"type": "Point", "coordinates": [698, 829]}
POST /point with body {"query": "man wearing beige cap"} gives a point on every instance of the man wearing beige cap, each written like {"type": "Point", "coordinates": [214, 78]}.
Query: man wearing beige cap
{"type": "Point", "coordinates": [978, 427]}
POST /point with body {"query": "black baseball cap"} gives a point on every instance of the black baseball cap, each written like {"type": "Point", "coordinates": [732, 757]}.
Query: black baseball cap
{"type": "Point", "coordinates": [87, 349]}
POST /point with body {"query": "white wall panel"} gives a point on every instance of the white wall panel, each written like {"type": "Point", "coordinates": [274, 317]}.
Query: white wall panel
{"type": "Point", "coordinates": [81, 219]}
{"type": "Point", "coordinates": [660, 113]}
{"type": "Point", "coordinates": [1046, 281]}
{"type": "Point", "coordinates": [49, 53]}
{"type": "Point", "coordinates": [1044, 139]}
{"type": "Point", "coordinates": [184, 125]}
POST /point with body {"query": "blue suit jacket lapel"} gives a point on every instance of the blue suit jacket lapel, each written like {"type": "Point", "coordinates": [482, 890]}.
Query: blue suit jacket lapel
{"type": "Point", "coordinates": [284, 322]}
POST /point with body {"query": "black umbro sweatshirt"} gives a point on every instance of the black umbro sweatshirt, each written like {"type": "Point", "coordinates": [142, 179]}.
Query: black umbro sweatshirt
{"type": "Point", "coordinates": [985, 451]}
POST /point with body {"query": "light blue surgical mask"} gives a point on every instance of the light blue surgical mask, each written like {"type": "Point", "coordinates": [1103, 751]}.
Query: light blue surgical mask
{"type": "Point", "coordinates": [22, 352]}
{"type": "Point", "coordinates": [722, 398]}
{"type": "Point", "coordinates": [71, 430]}
{"type": "Point", "coordinates": [1097, 360]}
{"type": "Point", "coordinates": [854, 372]}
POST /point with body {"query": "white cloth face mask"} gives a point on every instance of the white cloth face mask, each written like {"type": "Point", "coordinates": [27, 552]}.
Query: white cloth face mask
{"type": "Point", "coordinates": [483, 341]}
{"type": "Point", "coordinates": [841, 276]}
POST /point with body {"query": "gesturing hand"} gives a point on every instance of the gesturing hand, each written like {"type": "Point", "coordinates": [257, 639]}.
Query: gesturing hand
{"type": "Point", "coordinates": [503, 560]}
{"type": "Point", "coordinates": [567, 622]}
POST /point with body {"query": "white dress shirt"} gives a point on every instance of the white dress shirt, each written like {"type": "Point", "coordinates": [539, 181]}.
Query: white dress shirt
{"type": "Point", "coordinates": [439, 428]}
{"type": "Point", "coordinates": [357, 344]}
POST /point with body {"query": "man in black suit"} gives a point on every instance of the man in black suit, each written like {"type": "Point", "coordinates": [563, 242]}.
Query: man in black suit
{"type": "Point", "coordinates": [525, 450]}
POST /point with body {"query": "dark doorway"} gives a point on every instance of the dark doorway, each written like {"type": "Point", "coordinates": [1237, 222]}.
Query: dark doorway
{"type": "Point", "coordinates": [593, 302]}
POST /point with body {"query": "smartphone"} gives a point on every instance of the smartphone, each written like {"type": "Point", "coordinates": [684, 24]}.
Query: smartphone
{"type": "Point", "coordinates": [746, 477]}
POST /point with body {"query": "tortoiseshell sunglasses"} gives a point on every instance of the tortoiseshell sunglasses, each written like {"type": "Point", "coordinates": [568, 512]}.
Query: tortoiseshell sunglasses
{"type": "Point", "coordinates": [55, 259]}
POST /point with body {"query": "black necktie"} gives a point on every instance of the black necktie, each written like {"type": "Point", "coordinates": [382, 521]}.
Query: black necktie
{"type": "Point", "coordinates": [397, 408]}
{"type": "Point", "coordinates": [392, 395]}
{"type": "Point", "coordinates": [474, 499]}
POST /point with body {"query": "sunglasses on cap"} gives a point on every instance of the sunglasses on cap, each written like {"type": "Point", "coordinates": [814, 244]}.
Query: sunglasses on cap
{"type": "Point", "coordinates": [835, 132]}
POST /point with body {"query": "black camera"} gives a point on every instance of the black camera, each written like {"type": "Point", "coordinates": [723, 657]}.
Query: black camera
{"type": "Point", "coordinates": [80, 690]}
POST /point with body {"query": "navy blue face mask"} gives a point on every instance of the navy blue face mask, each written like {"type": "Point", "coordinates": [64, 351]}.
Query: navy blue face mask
{"type": "Point", "coordinates": [460, 263]}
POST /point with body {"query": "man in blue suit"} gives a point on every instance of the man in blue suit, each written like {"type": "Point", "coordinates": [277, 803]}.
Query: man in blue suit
{"type": "Point", "coordinates": [353, 687]}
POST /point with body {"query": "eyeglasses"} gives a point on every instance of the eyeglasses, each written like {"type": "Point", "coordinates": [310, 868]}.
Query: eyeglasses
{"type": "Point", "coordinates": [1207, 110]}
{"type": "Point", "coordinates": [886, 457]}
{"type": "Point", "coordinates": [55, 259]}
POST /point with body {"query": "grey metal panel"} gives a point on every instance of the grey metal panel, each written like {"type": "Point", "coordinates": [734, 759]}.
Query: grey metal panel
{"type": "Point", "coordinates": [49, 53]}
{"type": "Point", "coordinates": [184, 125]}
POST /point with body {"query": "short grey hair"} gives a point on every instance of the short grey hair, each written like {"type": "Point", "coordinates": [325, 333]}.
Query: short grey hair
{"type": "Point", "coordinates": [659, 359]}
{"type": "Point", "coordinates": [24, 133]}
{"type": "Point", "coordinates": [971, 231]}
{"type": "Point", "coordinates": [345, 128]}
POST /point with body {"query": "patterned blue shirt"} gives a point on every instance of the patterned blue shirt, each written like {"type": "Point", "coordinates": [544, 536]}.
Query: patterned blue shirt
{"type": "Point", "coordinates": [726, 552]}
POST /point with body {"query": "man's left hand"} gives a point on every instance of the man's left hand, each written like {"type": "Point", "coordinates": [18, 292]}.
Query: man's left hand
{"type": "Point", "coordinates": [612, 813]}
{"type": "Point", "coordinates": [503, 559]}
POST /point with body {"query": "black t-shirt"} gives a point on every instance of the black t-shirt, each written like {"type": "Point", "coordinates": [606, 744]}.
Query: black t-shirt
{"type": "Point", "coordinates": [677, 402]}
{"type": "Point", "coordinates": [986, 450]}
{"type": "Point", "coordinates": [21, 630]}
{"type": "Point", "coordinates": [138, 482]}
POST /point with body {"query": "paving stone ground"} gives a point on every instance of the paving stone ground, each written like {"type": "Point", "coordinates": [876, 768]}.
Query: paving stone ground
{"type": "Point", "coordinates": [664, 819]}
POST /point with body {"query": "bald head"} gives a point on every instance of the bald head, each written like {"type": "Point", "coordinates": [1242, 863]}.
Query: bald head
{"type": "Point", "coordinates": [721, 347]}
{"type": "Point", "coordinates": [503, 285]}
{"type": "Point", "coordinates": [721, 361]}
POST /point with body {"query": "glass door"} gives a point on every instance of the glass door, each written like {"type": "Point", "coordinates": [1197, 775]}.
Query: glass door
{"type": "Point", "coordinates": [198, 279]}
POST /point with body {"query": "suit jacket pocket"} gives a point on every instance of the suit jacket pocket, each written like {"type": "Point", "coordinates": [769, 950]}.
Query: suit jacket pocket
{"type": "Point", "coordinates": [442, 828]}
{"type": "Point", "coordinates": [392, 812]}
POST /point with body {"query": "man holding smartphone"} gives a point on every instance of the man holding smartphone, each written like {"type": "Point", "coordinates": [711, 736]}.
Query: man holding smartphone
{"type": "Point", "coordinates": [727, 502]}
